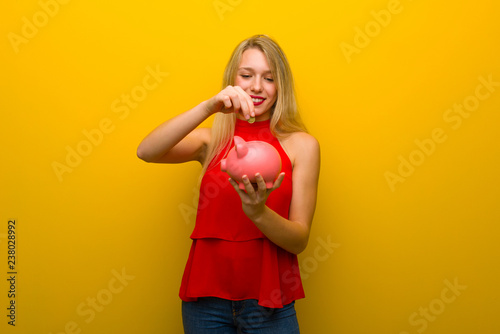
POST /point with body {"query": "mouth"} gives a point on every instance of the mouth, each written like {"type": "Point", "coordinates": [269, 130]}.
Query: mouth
{"type": "Point", "coordinates": [257, 100]}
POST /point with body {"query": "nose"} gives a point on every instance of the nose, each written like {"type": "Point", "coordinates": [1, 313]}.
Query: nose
{"type": "Point", "coordinates": [256, 85]}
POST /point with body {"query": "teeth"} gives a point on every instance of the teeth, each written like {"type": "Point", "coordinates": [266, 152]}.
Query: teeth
{"type": "Point", "coordinates": [257, 100]}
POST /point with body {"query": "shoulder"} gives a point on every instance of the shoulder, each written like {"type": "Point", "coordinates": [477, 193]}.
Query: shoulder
{"type": "Point", "coordinates": [301, 146]}
{"type": "Point", "coordinates": [303, 140]}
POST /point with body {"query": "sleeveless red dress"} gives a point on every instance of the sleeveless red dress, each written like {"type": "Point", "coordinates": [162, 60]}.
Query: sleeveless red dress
{"type": "Point", "coordinates": [230, 257]}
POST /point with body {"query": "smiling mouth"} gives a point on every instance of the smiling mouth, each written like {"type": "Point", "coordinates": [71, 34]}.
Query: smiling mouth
{"type": "Point", "coordinates": [257, 100]}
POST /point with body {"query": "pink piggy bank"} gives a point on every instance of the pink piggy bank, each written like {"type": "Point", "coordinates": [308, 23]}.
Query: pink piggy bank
{"type": "Point", "coordinates": [249, 158]}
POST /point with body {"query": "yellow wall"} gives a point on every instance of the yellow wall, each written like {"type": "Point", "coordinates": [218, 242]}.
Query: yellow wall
{"type": "Point", "coordinates": [405, 238]}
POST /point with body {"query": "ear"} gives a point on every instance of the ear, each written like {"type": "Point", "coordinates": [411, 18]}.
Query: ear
{"type": "Point", "coordinates": [240, 146]}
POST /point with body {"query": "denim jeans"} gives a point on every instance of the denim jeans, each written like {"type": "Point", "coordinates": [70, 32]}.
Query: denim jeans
{"type": "Point", "coordinates": [211, 315]}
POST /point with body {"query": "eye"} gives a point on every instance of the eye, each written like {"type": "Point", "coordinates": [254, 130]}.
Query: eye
{"type": "Point", "coordinates": [245, 76]}
{"type": "Point", "coordinates": [270, 79]}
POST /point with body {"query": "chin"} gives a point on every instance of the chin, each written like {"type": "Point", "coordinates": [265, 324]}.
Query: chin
{"type": "Point", "coordinates": [262, 109]}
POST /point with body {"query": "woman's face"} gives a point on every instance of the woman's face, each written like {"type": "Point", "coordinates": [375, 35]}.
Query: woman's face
{"type": "Point", "coordinates": [255, 78]}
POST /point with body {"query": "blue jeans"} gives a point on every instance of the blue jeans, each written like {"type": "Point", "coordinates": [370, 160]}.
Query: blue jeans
{"type": "Point", "coordinates": [210, 315]}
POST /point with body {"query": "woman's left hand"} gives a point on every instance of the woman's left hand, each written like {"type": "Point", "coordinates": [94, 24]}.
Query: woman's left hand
{"type": "Point", "coordinates": [253, 200]}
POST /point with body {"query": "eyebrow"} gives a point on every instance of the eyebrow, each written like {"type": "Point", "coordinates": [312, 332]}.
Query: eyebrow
{"type": "Point", "coordinates": [252, 70]}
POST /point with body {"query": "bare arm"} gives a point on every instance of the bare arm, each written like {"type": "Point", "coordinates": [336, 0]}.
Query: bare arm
{"type": "Point", "coordinates": [290, 234]}
{"type": "Point", "coordinates": [179, 139]}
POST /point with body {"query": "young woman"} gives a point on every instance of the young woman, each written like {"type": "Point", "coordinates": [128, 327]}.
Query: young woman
{"type": "Point", "coordinates": [242, 273]}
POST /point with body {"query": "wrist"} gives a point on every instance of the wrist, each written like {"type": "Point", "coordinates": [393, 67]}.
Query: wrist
{"type": "Point", "coordinates": [259, 217]}
{"type": "Point", "coordinates": [206, 108]}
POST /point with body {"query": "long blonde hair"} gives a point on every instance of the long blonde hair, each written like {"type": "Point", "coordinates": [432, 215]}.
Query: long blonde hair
{"type": "Point", "coordinates": [285, 117]}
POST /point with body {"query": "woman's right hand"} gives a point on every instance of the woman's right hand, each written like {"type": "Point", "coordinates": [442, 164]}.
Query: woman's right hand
{"type": "Point", "coordinates": [231, 99]}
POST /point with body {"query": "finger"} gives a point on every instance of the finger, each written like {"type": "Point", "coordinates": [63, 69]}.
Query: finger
{"type": "Point", "coordinates": [249, 187]}
{"type": "Point", "coordinates": [235, 100]}
{"type": "Point", "coordinates": [261, 183]}
{"type": "Point", "coordinates": [251, 107]}
{"type": "Point", "coordinates": [235, 185]}
{"type": "Point", "coordinates": [278, 181]}
{"type": "Point", "coordinates": [233, 182]}
{"type": "Point", "coordinates": [246, 103]}
{"type": "Point", "coordinates": [227, 101]}
{"type": "Point", "coordinates": [242, 102]}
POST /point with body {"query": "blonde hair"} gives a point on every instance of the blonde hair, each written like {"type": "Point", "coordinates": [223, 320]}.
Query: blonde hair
{"type": "Point", "coordinates": [285, 117]}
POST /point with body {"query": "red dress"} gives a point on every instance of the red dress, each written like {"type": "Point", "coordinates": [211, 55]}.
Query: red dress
{"type": "Point", "coordinates": [230, 257]}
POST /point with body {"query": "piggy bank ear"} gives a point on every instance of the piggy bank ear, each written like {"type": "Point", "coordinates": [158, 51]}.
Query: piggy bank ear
{"type": "Point", "coordinates": [240, 146]}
